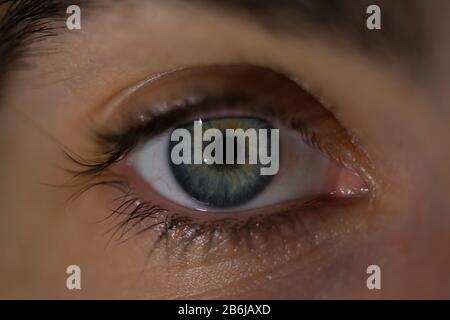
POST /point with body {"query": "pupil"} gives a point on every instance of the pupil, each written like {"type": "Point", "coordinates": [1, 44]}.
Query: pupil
{"type": "Point", "coordinates": [222, 185]}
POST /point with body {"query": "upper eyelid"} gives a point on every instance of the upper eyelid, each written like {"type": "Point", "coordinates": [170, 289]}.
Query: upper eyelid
{"type": "Point", "coordinates": [126, 141]}
{"type": "Point", "coordinates": [148, 110]}
{"type": "Point", "coordinates": [183, 111]}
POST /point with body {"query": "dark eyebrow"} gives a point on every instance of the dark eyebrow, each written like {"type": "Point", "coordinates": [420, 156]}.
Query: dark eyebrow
{"type": "Point", "coordinates": [23, 22]}
{"type": "Point", "coordinates": [402, 35]}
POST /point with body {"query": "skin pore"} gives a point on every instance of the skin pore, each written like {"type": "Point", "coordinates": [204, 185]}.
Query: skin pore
{"type": "Point", "coordinates": [398, 117]}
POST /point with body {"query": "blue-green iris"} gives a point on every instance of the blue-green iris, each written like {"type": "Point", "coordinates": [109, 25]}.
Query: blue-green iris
{"type": "Point", "coordinates": [222, 185]}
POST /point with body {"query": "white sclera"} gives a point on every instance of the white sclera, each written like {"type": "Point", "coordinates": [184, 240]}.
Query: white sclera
{"type": "Point", "coordinates": [302, 174]}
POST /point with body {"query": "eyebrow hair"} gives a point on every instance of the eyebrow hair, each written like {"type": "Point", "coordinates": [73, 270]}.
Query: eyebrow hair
{"type": "Point", "coordinates": [402, 33]}
{"type": "Point", "coordinates": [23, 22]}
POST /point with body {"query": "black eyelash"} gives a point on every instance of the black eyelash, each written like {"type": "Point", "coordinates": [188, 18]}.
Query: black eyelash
{"type": "Point", "coordinates": [213, 233]}
{"type": "Point", "coordinates": [132, 210]}
{"type": "Point", "coordinates": [117, 145]}
{"type": "Point", "coordinates": [188, 229]}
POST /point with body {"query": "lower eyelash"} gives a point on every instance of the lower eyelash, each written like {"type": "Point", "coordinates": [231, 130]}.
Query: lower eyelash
{"type": "Point", "coordinates": [214, 239]}
{"type": "Point", "coordinates": [133, 216]}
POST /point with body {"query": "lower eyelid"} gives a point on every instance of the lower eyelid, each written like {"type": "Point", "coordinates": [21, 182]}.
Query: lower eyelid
{"type": "Point", "coordinates": [188, 221]}
{"type": "Point", "coordinates": [298, 227]}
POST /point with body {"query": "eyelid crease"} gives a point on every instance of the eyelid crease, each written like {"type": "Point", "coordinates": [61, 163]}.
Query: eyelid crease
{"type": "Point", "coordinates": [155, 122]}
{"type": "Point", "coordinates": [105, 112]}
{"type": "Point", "coordinates": [259, 79]}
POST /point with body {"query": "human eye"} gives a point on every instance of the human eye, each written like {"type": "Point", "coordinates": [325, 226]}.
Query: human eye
{"type": "Point", "coordinates": [316, 171]}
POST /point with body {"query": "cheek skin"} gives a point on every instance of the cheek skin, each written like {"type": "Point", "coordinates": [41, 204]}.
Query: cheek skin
{"type": "Point", "coordinates": [32, 226]}
{"type": "Point", "coordinates": [42, 233]}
